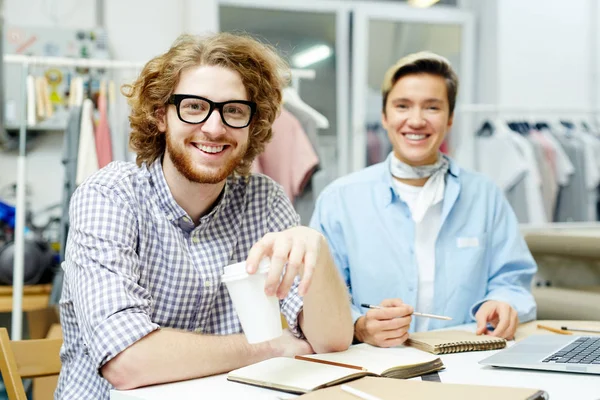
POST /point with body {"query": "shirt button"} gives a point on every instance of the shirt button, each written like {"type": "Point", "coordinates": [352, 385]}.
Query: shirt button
{"type": "Point", "coordinates": [207, 284]}
{"type": "Point", "coordinates": [199, 329]}
{"type": "Point", "coordinates": [186, 219]}
{"type": "Point", "coordinates": [195, 239]}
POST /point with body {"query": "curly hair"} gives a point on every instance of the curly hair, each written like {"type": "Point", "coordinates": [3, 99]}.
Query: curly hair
{"type": "Point", "coordinates": [264, 75]}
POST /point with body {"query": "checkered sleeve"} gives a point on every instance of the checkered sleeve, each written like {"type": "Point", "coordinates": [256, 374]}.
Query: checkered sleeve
{"type": "Point", "coordinates": [283, 216]}
{"type": "Point", "coordinates": [102, 270]}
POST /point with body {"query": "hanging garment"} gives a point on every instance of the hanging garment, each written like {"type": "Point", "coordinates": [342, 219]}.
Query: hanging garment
{"type": "Point", "coordinates": [76, 92]}
{"type": "Point", "coordinates": [572, 203]}
{"type": "Point", "coordinates": [103, 140]}
{"type": "Point", "coordinates": [304, 203]}
{"type": "Point", "coordinates": [533, 181]}
{"type": "Point", "coordinates": [547, 175]}
{"type": "Point", "coordinates": [378, 144]}
{"type": "Point", "coordinates": [309, 125]}
{"type": "Point", "coordinates": [40, 106]}
{"type": "Point", "coordinates": [31, 104]}
{"type": "Point", "coordinates": [289, 158]}
{"type": "Point", "coordinates": [117, 133]}
{"type": "Point", "coordinates": [592, 165]}
{"type": "Point", "coordinates": [87, 158]}
{"type": "Point", "coordinates": [69, 160]}
{"type": "Point", "coordinates": [564, 166]}
{"type": "Point", "coordinates": [499, 159]}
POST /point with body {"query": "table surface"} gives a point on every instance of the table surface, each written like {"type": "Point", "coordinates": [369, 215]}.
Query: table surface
{"type": "Point", "coordinates": [460, 368]}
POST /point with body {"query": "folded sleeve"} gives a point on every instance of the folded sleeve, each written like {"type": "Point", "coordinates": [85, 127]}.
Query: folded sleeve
{"type": "Point", "coordinates": [281, 217]}
{"type": "Point", "coordinates": [102, 271]}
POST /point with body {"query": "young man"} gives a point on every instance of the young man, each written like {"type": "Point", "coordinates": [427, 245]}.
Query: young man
{"type": "Point", "coordinates": [417, 232]}
{"type": "Point", "coordinates": [142, 301]}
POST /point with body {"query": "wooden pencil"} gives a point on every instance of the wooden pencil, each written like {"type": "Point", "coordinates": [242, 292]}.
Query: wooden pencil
{"type": "Point", "coordinates": [330, 363]}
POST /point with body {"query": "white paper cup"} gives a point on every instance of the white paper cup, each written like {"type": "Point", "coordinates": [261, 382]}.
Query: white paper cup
{"type": "Point", "coordinates": [258, 313]}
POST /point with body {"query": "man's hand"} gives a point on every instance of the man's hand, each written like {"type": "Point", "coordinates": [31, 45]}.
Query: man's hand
{"type": "Point", "coordinates": [300, 247]}
{"type": "Point", "coordinates": [287, 345]}
{"type": "Point", "coordinates": [385, 327]}
{"type": "Point", "coordinates": [500, 315]}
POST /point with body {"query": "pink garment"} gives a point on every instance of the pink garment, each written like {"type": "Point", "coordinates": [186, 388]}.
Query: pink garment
{"type": "Point", "coordinates": [289, 158]}
{"type": "Point", "coordinates": [549, 150]}
{"type": "Point", "coordinates": [103, 141]}
{"type": "Point", "coordinates": [547, 172]}
{"type": "Point", "coordinates": [373, 147]}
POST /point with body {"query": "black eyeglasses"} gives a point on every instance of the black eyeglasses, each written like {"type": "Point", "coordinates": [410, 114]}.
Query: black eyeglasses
{"type": "Point", "coordinates": [195, 110]}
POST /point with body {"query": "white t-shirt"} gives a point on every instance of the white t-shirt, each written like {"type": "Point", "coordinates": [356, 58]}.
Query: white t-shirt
{"type": "Point", "coordinates": [426, 233]}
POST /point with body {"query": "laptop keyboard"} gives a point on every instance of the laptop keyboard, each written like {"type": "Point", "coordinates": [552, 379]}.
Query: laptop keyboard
{"type": "Point", "coordinates": [584, 350]}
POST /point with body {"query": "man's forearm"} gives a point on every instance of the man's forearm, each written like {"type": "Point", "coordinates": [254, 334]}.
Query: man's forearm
{"type": "Point", "coordinates": [326, 320]}
{"type": "Point", "coordinates": [169, 355]}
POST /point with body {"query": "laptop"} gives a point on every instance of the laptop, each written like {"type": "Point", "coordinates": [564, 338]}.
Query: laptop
{"type": "Point", "coordinates": [551, 353]}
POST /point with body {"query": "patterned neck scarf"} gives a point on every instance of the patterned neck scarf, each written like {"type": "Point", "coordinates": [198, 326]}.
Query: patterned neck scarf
{"type": "Point", "coordinates": [433, 191]}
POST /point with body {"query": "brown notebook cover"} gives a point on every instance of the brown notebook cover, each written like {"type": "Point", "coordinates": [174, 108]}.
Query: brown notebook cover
{"type": "Point", "coordinates": [453, 341]}
{"type": "Point", "coordinates": [394, 389]}
{"type": "Point", "coordinates": [301, 376]}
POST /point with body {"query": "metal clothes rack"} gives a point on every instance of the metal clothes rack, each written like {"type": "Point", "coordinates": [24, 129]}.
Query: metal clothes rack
{"type": "Point", "coordinates": [26, 62]}
{"type": "Point", "coordinates": [467, 138]}
{"type": "Point", "coordinates": [509, 109]}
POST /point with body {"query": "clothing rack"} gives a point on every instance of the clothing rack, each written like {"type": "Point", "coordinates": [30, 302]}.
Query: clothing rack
{"type": "Point", "coordinates": [30, 61]}
{"type": "Point", "coordinates": [467, 140]}
{"type": "Point", "coordinates": [509, 109]}
{"type": "Point", "coordinates": [19, 256]}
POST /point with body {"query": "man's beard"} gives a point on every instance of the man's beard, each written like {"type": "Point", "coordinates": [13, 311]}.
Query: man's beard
{"type": "Point", "coordinates": [182, 160]}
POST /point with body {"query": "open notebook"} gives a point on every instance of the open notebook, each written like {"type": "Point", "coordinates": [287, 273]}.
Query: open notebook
{"type": "Point", "coordinates": [443, 342]}
{"type": "Point", "coordinates": [393, 389]}
{"type": "Point", "coordinates": [301, 376]}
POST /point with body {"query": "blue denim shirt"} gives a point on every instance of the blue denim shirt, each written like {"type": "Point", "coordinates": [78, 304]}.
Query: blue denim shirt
{"type": "Point", "coordinates": [480, 253]}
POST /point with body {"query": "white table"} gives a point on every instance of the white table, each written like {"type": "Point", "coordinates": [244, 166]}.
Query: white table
{"type": "Point", "coordinates": [460, 368]}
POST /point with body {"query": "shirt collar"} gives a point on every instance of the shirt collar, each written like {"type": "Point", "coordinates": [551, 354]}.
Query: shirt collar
{"type": "Point", "coordinates": [169, 206]}
{"type": "Point", "coordinates": [387, 193]}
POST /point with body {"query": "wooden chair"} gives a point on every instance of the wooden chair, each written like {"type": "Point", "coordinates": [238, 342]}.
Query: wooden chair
{"type": "Point", "coordinates": [24, 359]}
{"type": "Point", "coordinates": [35, 297]}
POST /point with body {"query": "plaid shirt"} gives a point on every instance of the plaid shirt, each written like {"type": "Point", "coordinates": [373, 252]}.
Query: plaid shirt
{"type": "Point", "coordinates": [135, 262]}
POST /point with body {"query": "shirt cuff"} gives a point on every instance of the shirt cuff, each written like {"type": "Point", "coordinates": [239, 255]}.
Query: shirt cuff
{"type": "Point", "coordinates": [291, 307]}
{"type": "Point", "coordinates": [117, 333]}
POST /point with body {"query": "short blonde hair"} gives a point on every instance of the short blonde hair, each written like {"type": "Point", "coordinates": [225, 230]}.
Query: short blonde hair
{"type": "Point", "coordinates": [264, 75]}
{"type": "Point", "coordinates": [424, 62]}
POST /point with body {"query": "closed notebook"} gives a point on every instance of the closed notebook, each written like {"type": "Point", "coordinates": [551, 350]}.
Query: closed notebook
{"type": "Point", "coordinates": [444, 342]}
{"type": "Point", "coordinates": [394, 389]}
{"type": "Point", "coordinates": [302, 376]}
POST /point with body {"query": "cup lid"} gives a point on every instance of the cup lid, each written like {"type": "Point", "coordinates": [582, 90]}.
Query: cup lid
{"type": "Point", "coordinates": [237, 271]}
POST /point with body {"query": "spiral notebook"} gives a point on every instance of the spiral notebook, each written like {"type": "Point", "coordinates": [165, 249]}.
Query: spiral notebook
{"type": "Point", "coordinates": [444, 342]}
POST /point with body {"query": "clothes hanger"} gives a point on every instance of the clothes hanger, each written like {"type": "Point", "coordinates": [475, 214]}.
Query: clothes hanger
{"type": "Point", "coordinates": [291, 96]}
{"type": "Point", "coordinates": [514, 126]}
{"type": "Point", "coordinates": [487, 129]}
{"type": "Point", "coordinates": [567, 124]}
